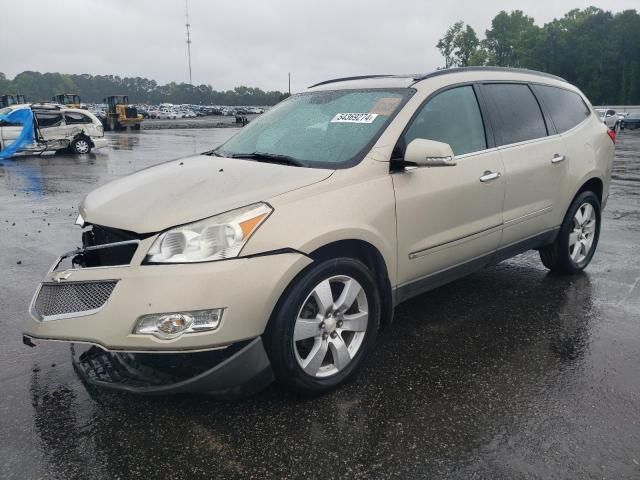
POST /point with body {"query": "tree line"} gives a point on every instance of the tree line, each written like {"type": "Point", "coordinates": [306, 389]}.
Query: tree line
{"type": "Point", "coordinates": [596, 50]}
{"type": "Point", "coordinates": [93, 88]}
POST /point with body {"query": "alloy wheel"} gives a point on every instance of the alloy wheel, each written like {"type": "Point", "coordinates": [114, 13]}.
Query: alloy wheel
{"type": "Point", "coordinates": [331, 326]}
{"type": "Point", "coordinates": [582, 235]}
{"type": "Point", "coordinates": [81, 146]}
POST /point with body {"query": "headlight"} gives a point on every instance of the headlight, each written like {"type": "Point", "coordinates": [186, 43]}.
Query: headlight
{"type": "Point", "coordinates": [214, 238]}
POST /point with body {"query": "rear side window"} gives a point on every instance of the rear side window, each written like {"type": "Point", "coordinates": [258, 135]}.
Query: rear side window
{"type": "Point", "coordinates": [451, 117]}
{"type": "Point", "coordinates": [515, 112]}
{"type": "Point", "coordinates": [567, 109]}
{"type": "Point", "coordinates": [73, 118]}
{"type": "Point", "coordinates": [48, 119]}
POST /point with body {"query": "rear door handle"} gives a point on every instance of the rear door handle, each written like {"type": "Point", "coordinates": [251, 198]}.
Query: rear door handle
{"type": "Point", "coordinates": [557, 158]}
{"type": "Point", "coordinates": [488, 176]}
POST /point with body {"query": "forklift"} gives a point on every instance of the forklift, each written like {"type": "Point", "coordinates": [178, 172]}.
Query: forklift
{"type": "Point", "coordinates": [8, 100]}
{"type": "Point", "coordinates": [67, 99]}
{"type": "Point", "coordinates": [119, 115]}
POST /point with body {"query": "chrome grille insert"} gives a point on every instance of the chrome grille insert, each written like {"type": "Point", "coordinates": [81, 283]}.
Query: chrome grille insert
{"type": "Point", "coordinates": [71, 299]}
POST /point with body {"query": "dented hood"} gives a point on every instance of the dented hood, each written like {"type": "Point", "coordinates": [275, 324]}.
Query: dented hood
{"type": "Point", "coordinates": [190, 189]}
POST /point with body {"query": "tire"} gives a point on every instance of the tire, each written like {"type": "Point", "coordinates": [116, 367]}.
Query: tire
{"type": "Point", "coordinates": [81, 145]}
{"type": "Point", "coordinates": [332, 353]}
{"type": "Point", "coordinates": [136, 126]}
{"type": "Point", "coordinates": [562, 256]}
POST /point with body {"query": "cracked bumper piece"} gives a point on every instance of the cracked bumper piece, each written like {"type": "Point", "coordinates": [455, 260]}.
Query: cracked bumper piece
{"type": "Point", "coordinates": [236, 371]}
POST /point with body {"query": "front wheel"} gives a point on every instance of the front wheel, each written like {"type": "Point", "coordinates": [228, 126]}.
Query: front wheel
{"type": "Point", "coordinates": [578, 237]}
{"type": "Point", "coordinates": [324, 327]}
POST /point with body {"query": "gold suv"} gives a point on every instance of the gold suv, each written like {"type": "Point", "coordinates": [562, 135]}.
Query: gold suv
{"type": "Point", "coordinates": [282, 252]}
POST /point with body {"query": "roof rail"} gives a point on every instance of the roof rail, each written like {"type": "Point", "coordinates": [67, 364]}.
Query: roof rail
{"type": "Point", "coordinates": [446, 71]}
{"type": "Point", "coordinates": [46, 105]}
{"type": "Point", "coordinates": [345, 79]}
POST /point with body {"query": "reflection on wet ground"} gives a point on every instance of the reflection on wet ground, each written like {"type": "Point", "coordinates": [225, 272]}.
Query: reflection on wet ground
{"type": "Point", "coordinates": [512, 372]}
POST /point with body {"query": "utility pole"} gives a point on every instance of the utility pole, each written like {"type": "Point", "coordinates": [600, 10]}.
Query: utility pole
{"type": "Point", "coordinates": [289, 83]}
{"type": "Point", "coordinates": [188, 25]}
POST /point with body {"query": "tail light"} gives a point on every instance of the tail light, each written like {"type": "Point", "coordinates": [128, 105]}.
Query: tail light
{"type": "Point", "coordinates": [612, 135]}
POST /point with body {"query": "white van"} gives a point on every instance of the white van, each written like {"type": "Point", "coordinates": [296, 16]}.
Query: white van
{"type": "Point", "coordinates": [57, 128]}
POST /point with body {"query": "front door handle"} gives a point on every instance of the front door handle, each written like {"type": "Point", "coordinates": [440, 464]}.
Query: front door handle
{"type": "Point", "coordinates": [488, 176]}
{"type": "Point", "coordinates": [557, 158]}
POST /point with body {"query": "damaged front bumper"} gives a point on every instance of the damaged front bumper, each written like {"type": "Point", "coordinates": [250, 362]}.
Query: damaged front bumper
{"type": "Point", "coordinates": [101, 305]}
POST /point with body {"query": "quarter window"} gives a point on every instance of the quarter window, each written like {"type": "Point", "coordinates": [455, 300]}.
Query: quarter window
{"type": "Point", "coordinates": [451, 117]}
{"type": "Point", "coordinates": [567, 109]}
{"type": "Point", "coordinates": [515, 112]}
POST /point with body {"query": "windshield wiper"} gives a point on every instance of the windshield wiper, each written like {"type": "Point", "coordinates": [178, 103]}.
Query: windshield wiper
{"type": "Point", "coordinates": [213, 153]}
{"type": "Point", "coordinates": [269, 158]}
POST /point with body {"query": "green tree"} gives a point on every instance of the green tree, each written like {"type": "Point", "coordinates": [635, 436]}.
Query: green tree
{"type": "Point", "coordinates": [447, 44]}
{"type": "Point", "coordinates": [591, 48]}
{"type": "Point", "coordinates": [42, 86]}
{"type": "Point", "coordinates": [466, 43]}
{"type": "Point", "coordinates": [507, 38]}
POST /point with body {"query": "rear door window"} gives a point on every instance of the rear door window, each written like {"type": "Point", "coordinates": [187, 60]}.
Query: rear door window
{"type": "Point", "coordinates": [452, 117]}
{"type": "Point", "coordinates": [567, 109]}
{"type": "Point", "coordinates": [46, 119]}
{"type": "Point", "coordinates": [515, 113]}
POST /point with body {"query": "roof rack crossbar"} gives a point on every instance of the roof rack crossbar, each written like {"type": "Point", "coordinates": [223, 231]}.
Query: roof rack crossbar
{"type": "Point", "coordinates": [446, 71]}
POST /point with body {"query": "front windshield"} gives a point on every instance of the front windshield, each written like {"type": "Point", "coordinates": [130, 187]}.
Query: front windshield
{"type": "Point", "coordinates": [320, 129]}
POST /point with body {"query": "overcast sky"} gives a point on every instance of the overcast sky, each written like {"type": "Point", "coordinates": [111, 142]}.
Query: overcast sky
{"type": "Point", "coordinates": [246, 42]}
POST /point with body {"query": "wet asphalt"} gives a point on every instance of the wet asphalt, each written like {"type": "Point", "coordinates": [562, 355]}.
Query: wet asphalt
{"type": "Point", "coordinates": [510, 373]}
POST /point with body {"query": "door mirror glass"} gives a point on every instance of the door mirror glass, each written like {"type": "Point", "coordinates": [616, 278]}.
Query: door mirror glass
{"type": "Point", "coordinates": [429, 153]}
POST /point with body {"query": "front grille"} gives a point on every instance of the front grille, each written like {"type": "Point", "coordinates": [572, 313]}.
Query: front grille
{"type": "Point", "coordinates": [72, 298]}
{"type": "Point", "coordinates": [131, 112]}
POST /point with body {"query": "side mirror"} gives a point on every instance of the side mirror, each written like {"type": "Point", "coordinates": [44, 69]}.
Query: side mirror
{"type": "Point", "coordinates": [429, 153]}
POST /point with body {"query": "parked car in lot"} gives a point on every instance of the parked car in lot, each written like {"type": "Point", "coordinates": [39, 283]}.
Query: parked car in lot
{"type": "Point", "coordinates": [631, 121]}
{"type": "Point", "coordinates": [608, 117]}
{"type": "Point", "coordinates": [282, 252]}
{"type": "Point", "coordinates": [58, 128]}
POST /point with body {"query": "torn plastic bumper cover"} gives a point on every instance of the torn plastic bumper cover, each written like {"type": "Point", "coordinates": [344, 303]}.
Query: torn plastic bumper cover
{"type": "Point", "coordinates": [238, 370]}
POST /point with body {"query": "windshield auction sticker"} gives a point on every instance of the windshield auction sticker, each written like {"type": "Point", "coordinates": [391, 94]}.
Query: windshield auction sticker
{"type": "Point", "coordinates": [354, 118]}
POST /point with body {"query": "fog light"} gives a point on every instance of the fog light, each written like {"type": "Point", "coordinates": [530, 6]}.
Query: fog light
{"type": "Point", "coordinates": [172, 325]}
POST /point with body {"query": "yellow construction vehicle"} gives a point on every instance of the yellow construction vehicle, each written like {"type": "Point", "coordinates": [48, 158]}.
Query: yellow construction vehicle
{"type": "Point", "coordinates": [8, 100]}
{"type": "Point", "coordinates": [120, 115]}
{"type": "Point", "coordinates": [67, 99]}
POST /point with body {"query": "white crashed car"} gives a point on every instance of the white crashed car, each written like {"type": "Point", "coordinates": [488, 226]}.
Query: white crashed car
{"type": "Point", "coordinates": [58, 128]}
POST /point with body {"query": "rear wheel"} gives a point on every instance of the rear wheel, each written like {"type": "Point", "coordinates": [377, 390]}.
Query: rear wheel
{"type": "Point", "coordinates": [577, 240]}
{"type": "Point", "coordinates": [325, 326]}
{"type": "Point", "coordinates": [81, 145]}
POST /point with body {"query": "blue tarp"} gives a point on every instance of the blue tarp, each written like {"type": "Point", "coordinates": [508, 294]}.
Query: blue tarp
{"type": "Point", "coordinates": [23, 116]}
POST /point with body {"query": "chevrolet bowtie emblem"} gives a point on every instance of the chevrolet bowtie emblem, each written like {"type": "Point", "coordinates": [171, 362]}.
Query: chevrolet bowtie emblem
{"type": "Point", "coordinates": [58, 277]}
